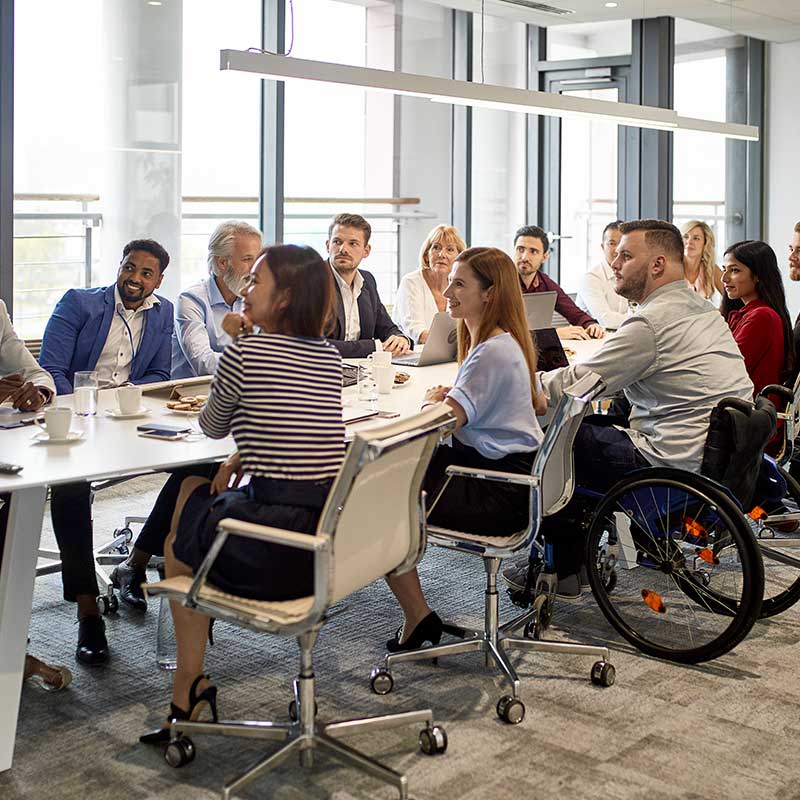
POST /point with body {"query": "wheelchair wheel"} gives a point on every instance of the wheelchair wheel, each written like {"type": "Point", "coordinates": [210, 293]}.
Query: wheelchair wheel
{"type": "Point", "coordinates": [689, 578]}
{"type": "Point", "coordinates": [778, 535]}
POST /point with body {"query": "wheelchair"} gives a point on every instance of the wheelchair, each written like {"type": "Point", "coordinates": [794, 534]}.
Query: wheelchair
{"type": "Point", "coordinates": [677, 566]}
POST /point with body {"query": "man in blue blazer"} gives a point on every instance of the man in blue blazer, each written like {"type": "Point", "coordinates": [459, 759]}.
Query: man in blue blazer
{"type": "Point", "coordinates": [122, 332]}
{"type": "Point", "coordinates": [361, 318]}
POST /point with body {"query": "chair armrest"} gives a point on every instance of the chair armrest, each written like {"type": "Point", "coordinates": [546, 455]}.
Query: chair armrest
{"type": "Point", "coordinates": [492, 475]}
{"type": "Point", "coordinates": [782, 391]}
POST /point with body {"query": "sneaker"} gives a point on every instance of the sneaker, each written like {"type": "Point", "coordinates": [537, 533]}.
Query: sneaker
{"type": "Point", "coordinates": [516, 573]}
{"type": "Point", "coordinates": [569, 588]}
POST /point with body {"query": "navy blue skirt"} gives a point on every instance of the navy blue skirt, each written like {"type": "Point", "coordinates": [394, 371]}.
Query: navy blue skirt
{"type": "Point", "coordinates": [246, 567]}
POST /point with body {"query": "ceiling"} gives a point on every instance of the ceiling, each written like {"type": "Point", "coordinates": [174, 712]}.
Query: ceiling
{"type": "Point", "coordinates": [771, 20]}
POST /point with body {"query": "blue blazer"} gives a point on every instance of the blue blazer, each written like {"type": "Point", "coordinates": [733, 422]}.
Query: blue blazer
{"type": "Point", "coordinates": [77, 331]}
{"type": "Point", "coordinates": [375, 322]}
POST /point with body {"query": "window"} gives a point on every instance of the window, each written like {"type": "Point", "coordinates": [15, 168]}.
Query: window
{"type": "Point", "coordinates": [588, 40]}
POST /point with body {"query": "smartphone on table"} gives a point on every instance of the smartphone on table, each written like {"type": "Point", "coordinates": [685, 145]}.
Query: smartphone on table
{"type": "Point", "coordinates": [157, 430]}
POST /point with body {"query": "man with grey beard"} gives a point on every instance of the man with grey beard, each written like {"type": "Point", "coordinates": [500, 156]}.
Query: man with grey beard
{"type": "Point", "coordinates": [198, 339]}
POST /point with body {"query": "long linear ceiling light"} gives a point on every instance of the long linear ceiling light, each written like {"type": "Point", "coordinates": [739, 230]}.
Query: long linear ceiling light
{"type": "Point", "coordinates": [445, 90]}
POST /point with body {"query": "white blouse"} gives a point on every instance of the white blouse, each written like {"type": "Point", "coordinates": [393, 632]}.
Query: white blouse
{"type": "Point", "coordinates": [414, 305]}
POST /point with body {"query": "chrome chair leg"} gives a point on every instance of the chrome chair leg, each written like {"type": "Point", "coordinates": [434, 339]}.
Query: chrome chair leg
{"type": "Point", "coordinates": [505, 666]}
{"type": "Point", "coordinates": [260, 767]}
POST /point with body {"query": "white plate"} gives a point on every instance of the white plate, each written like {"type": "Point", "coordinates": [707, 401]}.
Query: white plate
{"type": "Point", "coordinates": [43, 437]}
{"type": "Point", "coordinates": [184, 413]}
{"type": "Point", "coordinates": [117, 414]}
{"type": "Point", "coordinates": [401, 385]}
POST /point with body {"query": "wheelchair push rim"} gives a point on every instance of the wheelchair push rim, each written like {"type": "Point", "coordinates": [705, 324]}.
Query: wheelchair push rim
{"type": "Point", "coordinates": [674, 566]}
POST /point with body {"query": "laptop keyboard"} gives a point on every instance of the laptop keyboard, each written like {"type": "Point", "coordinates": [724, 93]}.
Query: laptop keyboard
{"type": "Point", "coordinates": [349, 375]}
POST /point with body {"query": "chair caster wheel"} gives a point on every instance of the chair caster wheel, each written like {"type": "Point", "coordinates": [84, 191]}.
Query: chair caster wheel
{"type": "Point", "coordinates": [510, 709]}
{"type": "Point", "coordinates": [603, 674]}
{"type": "Point", "coordinates": [433, 740]}
{"type": "Point", "coordinates": [381, 680]}
{"type": "Point", "coordinates": [293, 710]}
{"type": "Point", "coordinates": [126, 532]}
{"type": "Point", "coordinates": [108, 604]}
{"type": "Point", "coordinates": [180, 752]}
{"type": "Point", "coordinates": [533, 629]}
{"type": "Point", "coordinates": [123, 550]}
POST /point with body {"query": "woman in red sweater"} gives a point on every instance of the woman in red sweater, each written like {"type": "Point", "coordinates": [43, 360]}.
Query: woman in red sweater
{"type": "Point", "coordinates": [754, 306]}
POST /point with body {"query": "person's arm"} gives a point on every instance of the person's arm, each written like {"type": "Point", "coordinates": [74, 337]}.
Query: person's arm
{"type": "Point", "coordinates": [718, 285]}
{"type": "Point", "coordinates": [384, 327]}
{"type": "Point", "coordinates": [593, 294]}
{"type": "Point", "coordinates": [567, 308]}
{"type": "Point", "coordinates": [409, 308]}
{"type": "Point", "coordinates": [160, 365]}
{"type": "Point", "coordinates": [627, 356]}
{"type": "Point", "coordinates": [16, 358]}
{"type": "Point", "coordinates": [215, 418]}
{"type": "Point", "coordinates": [191, 331]}
{"type": "Point", "coordinates": [753, 337]}
{"type": "Point", "coordinates": [60, 339]}
{"type": "Point", "coordinates": [361, 348]}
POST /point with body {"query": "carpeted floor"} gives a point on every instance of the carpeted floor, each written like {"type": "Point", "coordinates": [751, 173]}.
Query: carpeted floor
{"type": "Point", "coordinates": [723, 730]}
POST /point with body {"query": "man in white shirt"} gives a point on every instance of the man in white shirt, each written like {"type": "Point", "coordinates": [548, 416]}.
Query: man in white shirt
{"type": "Point", "coordinates": [596, 294]}
{"type": "Point", "coordinates": [362, 323]}
{"type": "Point", "coordinates": [198, 339]}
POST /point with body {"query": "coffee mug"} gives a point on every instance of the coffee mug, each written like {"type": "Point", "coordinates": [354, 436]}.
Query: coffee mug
{"type": "Point", "coordinates": [381, 358]}
{"type": "Point", "coordinates": [129, 399]}
{"type": "Point", "coordinates": [384, 378]}
{"type": "Point", "coordinates": [57, 422]}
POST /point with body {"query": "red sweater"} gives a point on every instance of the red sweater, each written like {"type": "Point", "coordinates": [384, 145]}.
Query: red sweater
{"type": "Point", "coordinates": [758, 331]}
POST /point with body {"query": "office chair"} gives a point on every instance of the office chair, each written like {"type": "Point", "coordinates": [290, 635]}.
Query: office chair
{"type": "Point", "coordinates": [373, 524]}
{"type": "Point", "coordinates": [551, 484]}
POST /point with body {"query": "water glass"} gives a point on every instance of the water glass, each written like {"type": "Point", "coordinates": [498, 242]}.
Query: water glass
{"type": "Point", "coordinates": [85, 387]}
{"type": "Point", "coordinates": [367, 390]}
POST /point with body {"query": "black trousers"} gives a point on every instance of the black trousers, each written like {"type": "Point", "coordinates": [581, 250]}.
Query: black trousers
{"type": "Point", "coordinates": [71, 512]}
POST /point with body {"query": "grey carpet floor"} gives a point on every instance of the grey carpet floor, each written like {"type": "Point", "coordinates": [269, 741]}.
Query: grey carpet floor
{"type": "Point", "coordinates": [729, 729]}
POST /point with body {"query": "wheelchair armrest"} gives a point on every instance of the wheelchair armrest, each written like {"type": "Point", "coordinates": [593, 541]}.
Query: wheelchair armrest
{"type": "Point", "coordinates": [492, 475]}
{"type": "Point", "coordinates": [775, 388]}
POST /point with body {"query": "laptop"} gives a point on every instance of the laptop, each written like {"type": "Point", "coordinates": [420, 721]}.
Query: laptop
{"type": "Point", "coordinates": [539, 308]}
{"type": "Point", "coordinates": [549, 350]}
{"type": "Point", "coordinates": [439, 348]}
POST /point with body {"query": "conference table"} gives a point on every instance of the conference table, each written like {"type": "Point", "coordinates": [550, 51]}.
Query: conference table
{"type": "Point", "coordinates": [112, 448]}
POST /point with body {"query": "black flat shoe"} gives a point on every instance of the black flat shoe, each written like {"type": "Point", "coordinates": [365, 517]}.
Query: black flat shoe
{"type": "Point", "coordinates": [428, 630]}
{"type": "Point", "coordinates": [208, 697]}
{"type": "Point", "coordinates": [92, 644]}
{"type": "Point", "coordinates": [129, 581]}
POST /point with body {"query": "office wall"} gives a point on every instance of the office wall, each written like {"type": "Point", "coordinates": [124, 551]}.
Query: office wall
{"type": "Point", "coordinates": [782, 207]}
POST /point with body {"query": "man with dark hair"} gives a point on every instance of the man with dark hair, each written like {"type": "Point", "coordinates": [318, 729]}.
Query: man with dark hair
{"type": "Point", "coordinates": [531, 250]}
{"type": "Point", "coordinates": [362, 322]}
{"type": "Point", "coordinates": [674, 359]}
{"type": "Point", "coordinates": [596, 293]}
{"type": "Point", "coordinates": [123, 333]}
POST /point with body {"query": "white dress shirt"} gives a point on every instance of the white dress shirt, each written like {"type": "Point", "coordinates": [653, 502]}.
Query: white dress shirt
{"type": "Point", "coordinates": [352, 316]}
{"type": "Point", "coordinates": [597, 297]}
{"type": "Point", "coordinates": [15, 358]}
{"type": "Point", "coordinates": [123, 340]}
{"type": "Point", "coordinates": [414, 306]}
{"type": "Point", "coordinates": [198, 339]}
{"type": "Point", "coordinates": [675, 359]}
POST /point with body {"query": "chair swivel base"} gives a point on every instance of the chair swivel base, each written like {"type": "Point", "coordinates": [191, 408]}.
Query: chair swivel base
{"type": "Point", "coordinates": [304, 736]}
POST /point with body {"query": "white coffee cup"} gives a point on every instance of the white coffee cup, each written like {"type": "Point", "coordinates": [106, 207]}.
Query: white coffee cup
{"type": "Point", "coordinates": [129, 399]}
{"type": "Point", "coordinates": [384, 378]}
{"type": "Point", "coordinates": [381, 358]}
{"type": "Point", "coordinates": [57, 421]}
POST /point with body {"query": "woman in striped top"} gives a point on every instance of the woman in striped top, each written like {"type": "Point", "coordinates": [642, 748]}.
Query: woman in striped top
{"type": "Point", "coordinates": [278, 392]}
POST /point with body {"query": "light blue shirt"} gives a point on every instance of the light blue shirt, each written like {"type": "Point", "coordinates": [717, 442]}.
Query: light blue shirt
{"type": "Point", "coordinates": [493, 386]}
{"type": "Point", "coordinates": [198, 339]}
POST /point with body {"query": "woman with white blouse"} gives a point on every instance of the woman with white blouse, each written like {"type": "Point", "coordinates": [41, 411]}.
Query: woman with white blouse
{"type": "Point", "coordinates": [699, 261]}
{"type": "Point", "coordinates": [421, 293]}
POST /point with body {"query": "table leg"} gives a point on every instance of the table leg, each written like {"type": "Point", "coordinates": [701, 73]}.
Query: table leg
{"type": "Point", "coordinates": [17, 576]}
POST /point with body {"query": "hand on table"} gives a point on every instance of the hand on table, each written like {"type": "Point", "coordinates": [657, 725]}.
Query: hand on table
{"type": "Point", "coordinates": [595, 331]}
{"type": "Point", "coordinates": [231, 467]}
{"type": "Point", "coordinates": [436, 394]}
{"type": "Point", "coordinates": [22, 394]}
{"type": "Point", "coordinates": [236, 324]}
{"type": "Point", "coordinates": [396, 345]}
{"type": "Point", "coordinates": [572, 332]}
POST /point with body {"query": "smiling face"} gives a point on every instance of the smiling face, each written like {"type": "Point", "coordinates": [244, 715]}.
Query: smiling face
{"type": "Point", "coordinates": [529, 255]}
{"type": "Point", "coordinates": [441, 255]}
{"type": "Point", "coordinates": [738, 280]}
{"type": "Point", "coordinates": [466, 297]}
{"type": "Point", "coordinates": [263, 302]}
{"type": "Point", "coordinates": [794, 257]}
{"type": "Point", "coordinates": [694, 240]}
{"type": "Point", "coordinates": [139, 275]}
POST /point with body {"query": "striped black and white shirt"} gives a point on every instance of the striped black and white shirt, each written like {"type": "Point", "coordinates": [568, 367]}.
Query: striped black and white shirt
{"type": "Point", "coordinates": [281, 398]}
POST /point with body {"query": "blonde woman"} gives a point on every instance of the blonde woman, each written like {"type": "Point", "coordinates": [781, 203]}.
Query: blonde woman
{"type": "Point", "coordinates": [699, 260]}
{"type": "Point", "coordinates": [421, 293]}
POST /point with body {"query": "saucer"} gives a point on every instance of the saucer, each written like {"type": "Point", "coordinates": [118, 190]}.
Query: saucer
{"type": "Point", "coordinates": [397, 385]}
{"type": "Point", "coordinates": [192, 413]}
{"type": "Point", "coordinates": [117, 414]}
{"type": "Point", "coordinates": [45, 438]}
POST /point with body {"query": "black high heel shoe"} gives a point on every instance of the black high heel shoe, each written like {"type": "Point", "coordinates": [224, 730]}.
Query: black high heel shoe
{"type": "Point", "coordinates": [196, 704]}
{"type": "Point", "coordinates": [428, 630]}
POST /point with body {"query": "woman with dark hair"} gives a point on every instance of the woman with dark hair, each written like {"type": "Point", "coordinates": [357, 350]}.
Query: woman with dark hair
{"type": "Point", "coordinates": [754, 307]}
{"type": "Point", "coordinates": [495, 401]}
{"type": "Point", "coordinates": [279, 393]}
